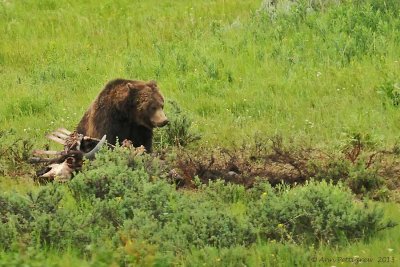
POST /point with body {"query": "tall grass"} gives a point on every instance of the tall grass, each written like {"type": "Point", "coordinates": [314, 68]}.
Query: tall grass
{"type": "Point", "coordinates": [308, 74]}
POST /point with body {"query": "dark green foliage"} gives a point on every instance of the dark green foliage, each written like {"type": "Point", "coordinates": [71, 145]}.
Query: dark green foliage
{"type": "Point", "coordinates": [177, 132]}
{"type": "Point", "coordinates": [154, 211]}
{"type": "Point", "coordinates": [40, 219]}
{"type": "Point", "coordinates": [391, 90]}
{"type": "Point", "coordinates": [360, 166]}
{"type": "Point", "coordinates": [388, 7]}
{"type": "Point", "coordinates": [364, 181]}
{"type": "Point", "coordinates": [115, 207]}
{"type": "Point", "coordinates": [116, 202]}
{"type": "Point", "coordinates": [334, 170]}
{"type": "Point", "coordinates": [14, 152]}
{"type": "Point", "coordinates": [15, 217]}
{"type": "Point", "coordinates": [315, 213]}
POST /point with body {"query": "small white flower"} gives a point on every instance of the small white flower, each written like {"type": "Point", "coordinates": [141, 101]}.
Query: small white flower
{"type": "Point", "coordinates": [319, 74]}
{"type": "Point", "coordinates": [390, 249]}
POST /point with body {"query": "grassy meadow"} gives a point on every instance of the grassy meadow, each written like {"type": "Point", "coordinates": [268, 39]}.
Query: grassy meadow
{"type": "Point", "coordinates": [316, 73]}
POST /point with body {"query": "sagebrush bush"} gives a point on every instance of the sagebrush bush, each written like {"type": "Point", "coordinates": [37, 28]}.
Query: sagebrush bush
{"type": "Point", "coordinates": [318, 212]}
{"type": "Point", "coordinates": [222, 214]}
{"type": "Point", "coordinates": [14, 153]}
{"type": "Point", "coordinates": [364, 181]}
{"type": "Point", "coordinates": [114, 204]}
{"type": "Point", "coordinates": [178, 132]}
{"type": "Point", "coordinates": [16, 215]}
{"type": "Point", "coordinates": [111, 175]}
{"type": "Point", "coordinates": [154, 210]}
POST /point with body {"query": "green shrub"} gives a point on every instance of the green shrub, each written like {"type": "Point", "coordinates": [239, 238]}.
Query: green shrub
{"type": "Point", "coordinates": [391, 90]}
{"type": "Point", "coordinates": [110, 175]}
{"type": "Point", "coordinates": [40, 219]}
{"type": "Point", "coordinates": [222, 192]}
{"type": "Point", "coordinates": [153, 210]}
{"type": "Point", "coordinates": [8, 233]}
{"type": "Point", "coordinates": [14, 153]}
{"type": "Point", "coordinates": [317, 213]}
{"type": "Point", "coordinates": [15, 216]}
{"type": "Point", "coordinates": [364, 181]}
{"type": "Point", "coordinates": [136, 217]}
{"type": "Point", "coordinates": [187, 222]}
{"type": "Point", "coordinates": [177, 132]}
{"type": "Point", "coordinates": [359, 166]}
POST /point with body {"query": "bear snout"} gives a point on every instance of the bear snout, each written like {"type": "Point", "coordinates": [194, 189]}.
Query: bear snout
{"type": "Point", "coordinates": [159, 119]}
{"type": "Point", "coordinates": [162, 124]}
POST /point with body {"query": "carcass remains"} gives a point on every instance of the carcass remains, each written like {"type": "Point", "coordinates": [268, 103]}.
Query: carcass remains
{"type": "Point", "coordinates": [60, 165]}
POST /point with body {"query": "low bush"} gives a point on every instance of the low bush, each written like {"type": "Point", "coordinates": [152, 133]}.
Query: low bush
{"type": "Point", "coordinates": [318, 212]}
{"type": "Point", "coordinates": [178, 132]}
{"type": "Point", "coordinates": [14, 153]}
{"type": "Point", "coordinates": [115, 205]}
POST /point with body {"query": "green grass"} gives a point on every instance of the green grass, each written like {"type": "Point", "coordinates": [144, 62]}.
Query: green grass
{"type": "Point", "coordinates": [232, 69]}
{"type": "Point", "coordinates": [311, 76]}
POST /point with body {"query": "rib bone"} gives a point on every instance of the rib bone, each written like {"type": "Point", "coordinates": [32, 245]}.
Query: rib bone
{"type": "Point", "coordinates": [46, 152]}
{"type": "Point", "coordinates": [63, 130]}
{"type": "Point", "coordinates": [56, 139]}
{"type": "Point", "coordinates": [60, 135]}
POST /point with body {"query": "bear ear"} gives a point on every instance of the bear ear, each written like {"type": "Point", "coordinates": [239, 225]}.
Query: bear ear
{"type": "Point", "coordinates": [130, 86]}
{"type": "Point", "coordinates": [152, 84]}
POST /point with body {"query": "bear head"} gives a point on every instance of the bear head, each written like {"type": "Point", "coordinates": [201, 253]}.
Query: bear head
{"type": "Point", "coordinates": [149, 103]}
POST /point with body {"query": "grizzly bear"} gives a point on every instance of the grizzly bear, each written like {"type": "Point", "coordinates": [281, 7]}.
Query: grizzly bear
{"type": "Point", "coordinates": [125, 109]}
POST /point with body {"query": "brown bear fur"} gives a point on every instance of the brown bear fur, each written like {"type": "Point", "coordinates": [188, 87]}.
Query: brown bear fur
{"type": "Point", "coordinates": [125, 109]}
